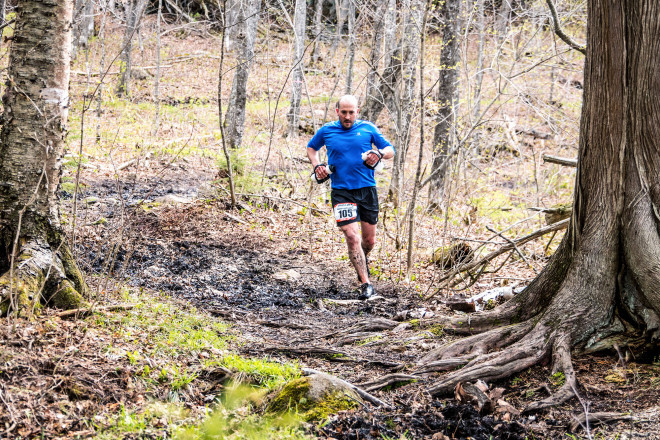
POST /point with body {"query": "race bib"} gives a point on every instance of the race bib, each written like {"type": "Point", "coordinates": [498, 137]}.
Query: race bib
{"type": "Point", "coordinates": [345, 211]}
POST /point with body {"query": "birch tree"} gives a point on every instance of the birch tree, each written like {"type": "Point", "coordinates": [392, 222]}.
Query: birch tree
{"type": "Point", "coordinates": [299, 20]}
{"type": "Point", "coordinates": [245, 35]}
{"type": "Point", "coordinates": [36, 262]}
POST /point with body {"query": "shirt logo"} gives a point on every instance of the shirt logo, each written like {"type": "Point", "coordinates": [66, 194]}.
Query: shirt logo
{"type": "Point", "coordinates": [358, 134]}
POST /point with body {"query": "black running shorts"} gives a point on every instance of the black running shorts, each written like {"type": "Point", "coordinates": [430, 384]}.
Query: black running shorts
{"type": "Point", "coordinates": [354, 205]}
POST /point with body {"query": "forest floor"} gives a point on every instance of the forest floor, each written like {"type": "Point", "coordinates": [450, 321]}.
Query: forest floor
{"type": "Point", "coordinates": [269, 281]}
{"type": "Point", "coordinates": [283, 304]}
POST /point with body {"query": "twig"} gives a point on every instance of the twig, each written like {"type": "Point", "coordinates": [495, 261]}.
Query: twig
{"type": "Point", "coordinates": [560, 33]}
{"type": "Point", "coordinates": [89, 311]}
{"type": "Point", "coordinates": [565, 161]}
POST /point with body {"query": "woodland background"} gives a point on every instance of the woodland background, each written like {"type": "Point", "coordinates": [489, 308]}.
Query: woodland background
{"type": "Point", "coordinates": [212, 257]}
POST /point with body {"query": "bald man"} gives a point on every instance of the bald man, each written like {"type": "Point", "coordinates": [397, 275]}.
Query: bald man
{"type": "Point", "coordinates": [354, 197]}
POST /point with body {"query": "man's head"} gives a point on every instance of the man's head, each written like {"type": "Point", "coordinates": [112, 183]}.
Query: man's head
{"type": "Point", "coordinates": [347, 110]}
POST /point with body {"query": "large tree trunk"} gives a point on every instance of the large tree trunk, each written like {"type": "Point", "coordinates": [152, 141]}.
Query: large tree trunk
{"type": "Point", "coordinates": [244, 38]}
{"type": "Point", "coordinates": [447, 97]}
{"type": "Point", "coordinates": [600, 289]}
{"type": "Point", "coordinates": [298, 65]}
{"type": "Point", "coordinates": [34, 258]}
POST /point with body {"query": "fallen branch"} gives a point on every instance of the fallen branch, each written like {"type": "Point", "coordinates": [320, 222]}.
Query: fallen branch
{"type": "Point", "coordinates": [503, 249]}
{"type": "Point", "coordinates": [598, 418]}
{"type": "Point", "coordinates": [565, 161]}
{"type": "Point", "coordinates": [88, 311]}
{"type": "Point", "coordinates": [362, 393]}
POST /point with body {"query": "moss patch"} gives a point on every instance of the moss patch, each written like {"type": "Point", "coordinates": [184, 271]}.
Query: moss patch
{"type": "Point", "coordinates": [67, 297]}
{"type": "Point", "coordinates": [296, 396]}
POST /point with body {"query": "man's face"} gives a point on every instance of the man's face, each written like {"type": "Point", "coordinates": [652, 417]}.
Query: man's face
{"type": "Point", "coordinates": [347, 113]}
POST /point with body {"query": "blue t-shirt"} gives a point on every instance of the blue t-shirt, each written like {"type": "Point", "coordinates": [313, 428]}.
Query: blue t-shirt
{"type": "Point", "coordinates": [345, 148]}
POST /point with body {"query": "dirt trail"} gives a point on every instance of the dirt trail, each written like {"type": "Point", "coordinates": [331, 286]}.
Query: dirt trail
{"type": "Point", "coordinates": [290, 305]}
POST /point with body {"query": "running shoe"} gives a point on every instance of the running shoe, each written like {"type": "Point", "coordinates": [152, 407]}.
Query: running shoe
{"type": "Point", "coordinates": [366, 291]}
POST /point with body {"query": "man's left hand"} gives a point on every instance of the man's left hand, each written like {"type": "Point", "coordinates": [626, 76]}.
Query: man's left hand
{"type": "Point", "coordinates": [373, 157]}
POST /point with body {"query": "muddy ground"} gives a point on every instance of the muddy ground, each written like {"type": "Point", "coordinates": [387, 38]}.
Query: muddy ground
{"type": "Point", "coordinates": [289, 303]}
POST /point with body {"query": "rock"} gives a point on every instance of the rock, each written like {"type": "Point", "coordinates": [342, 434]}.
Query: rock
{"type": "Point", "coordinates": [172, 199]}
{"type": "Point", "coordinates": [287, 275]}
{"type": "Point", "coordinates": [314, 397]}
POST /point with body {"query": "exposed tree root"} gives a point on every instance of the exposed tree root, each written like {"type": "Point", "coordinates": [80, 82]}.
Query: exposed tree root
{"type": "Point", "coordinates": [496, 365]}
{"type": "Point", "coordinates": [561, 362]}
{"type": "Point", "coordinates": [41, 275]}
{"type": "Point", "coordinates": [478, 344]}
{"type": "Point", "coordinates": [390, 379]}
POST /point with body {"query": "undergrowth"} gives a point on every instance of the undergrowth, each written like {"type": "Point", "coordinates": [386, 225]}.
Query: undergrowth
{"type": "Point", "coordinates": [169, 347]}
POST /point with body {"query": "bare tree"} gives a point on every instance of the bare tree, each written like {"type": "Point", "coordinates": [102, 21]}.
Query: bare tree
{"type": "Point", "coordinates": [83, 25]}
{"type": "Point", "coordinates": [299, 20]}
{"type": "Point", "coordinates": [446, 98]}
{"type": "Point", "coordinates": [133, 11]}
{"type": "Point", "coordinates": [599, 289]}
{"type": "Point", "coordinates": [318, 28]}
{"type": "Point", "coordinates": [351, 46]}
{"type": "Point", "coordinates": [35, 259]}
{"type": "Point", "coordinates": [381, 87]}
{"type": "Point", "coordinates": [244, 37]}
{"type": "Point", "coordinates": [413, 13]}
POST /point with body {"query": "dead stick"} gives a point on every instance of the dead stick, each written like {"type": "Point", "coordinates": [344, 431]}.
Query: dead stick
{"type": "Point", "coordinates": [565, 161]}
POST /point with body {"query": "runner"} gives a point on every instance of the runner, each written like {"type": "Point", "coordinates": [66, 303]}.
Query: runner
{"type": "Point", "coordinates": [354, 197]}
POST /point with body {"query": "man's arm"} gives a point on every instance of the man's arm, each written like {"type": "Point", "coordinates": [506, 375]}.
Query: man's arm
{"type": "Point", "coordinates": [387, 152]}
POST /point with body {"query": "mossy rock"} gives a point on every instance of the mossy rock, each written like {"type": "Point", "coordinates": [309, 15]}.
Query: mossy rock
{"type": "Point", "coordinates": [314, 397]}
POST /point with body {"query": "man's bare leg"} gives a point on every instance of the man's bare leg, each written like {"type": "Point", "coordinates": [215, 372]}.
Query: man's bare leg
{"type": "Point", "coordinates": [368, 238]}
{"type": "Point", "coordinates": [355, 250]}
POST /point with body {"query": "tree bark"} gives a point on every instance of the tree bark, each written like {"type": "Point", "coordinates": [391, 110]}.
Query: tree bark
{"type": "Point", "coordinates": [244, 38]}
{"type": "Point", "coordinates": [298, 65]}
{"type": "Point", "coordinates": [600, 288]}
{"type": "Point", "coordinates": [34, 258]}
{"type": "Point", "coordinates": [447, 97]}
